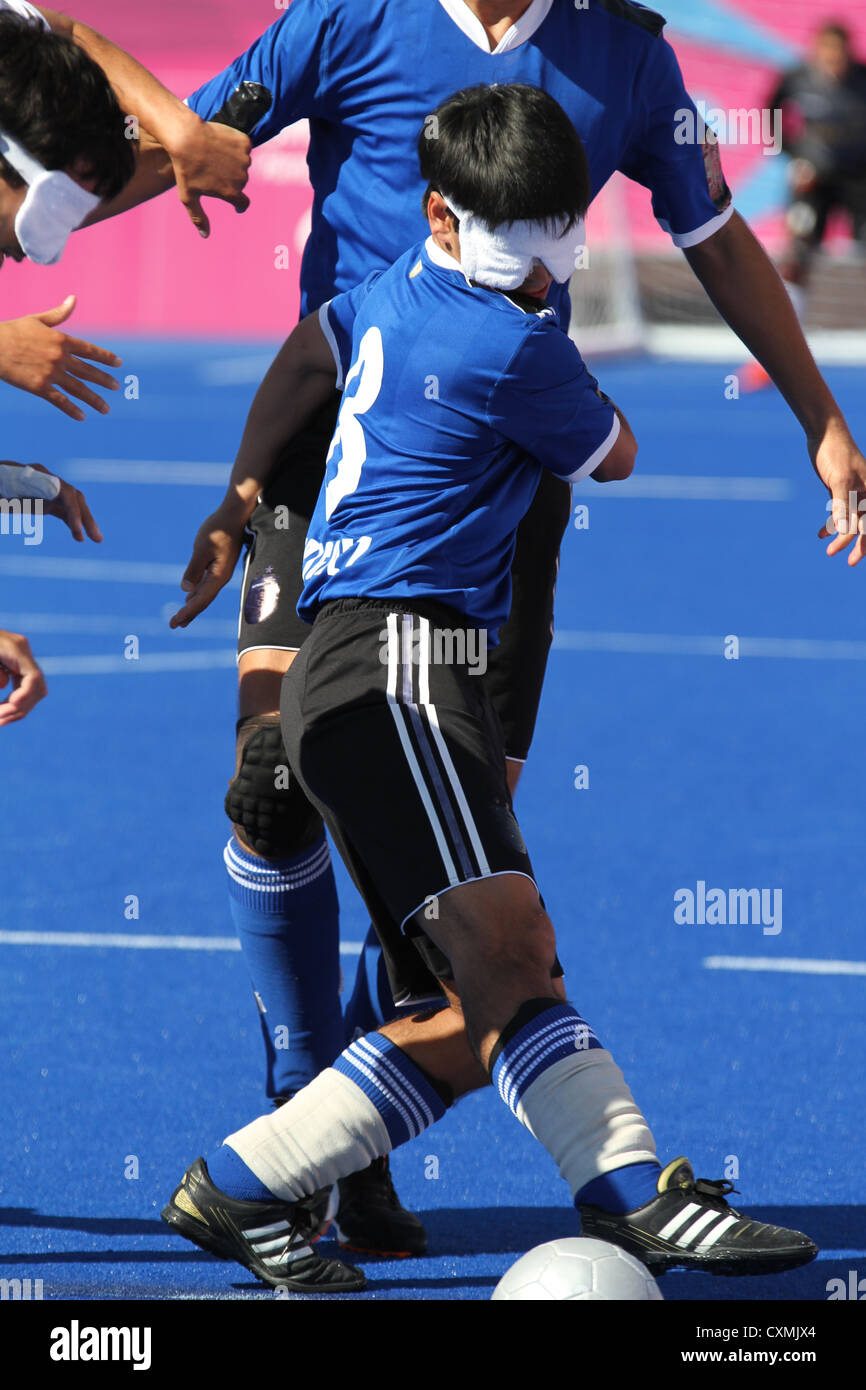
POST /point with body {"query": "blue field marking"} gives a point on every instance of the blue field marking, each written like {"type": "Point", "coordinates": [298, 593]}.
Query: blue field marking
{"type": "Point", "coordinates": [701, 767]}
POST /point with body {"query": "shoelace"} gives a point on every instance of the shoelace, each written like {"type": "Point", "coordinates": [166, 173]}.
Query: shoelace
{"type": "Point", "coordinates": [304, 1227]}
{"type": "Point", "coordinates": [717, 1191]}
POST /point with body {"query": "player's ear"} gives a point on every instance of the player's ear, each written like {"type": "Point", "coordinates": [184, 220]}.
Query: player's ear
{"type": "Point", "coordinates": [439, 214]}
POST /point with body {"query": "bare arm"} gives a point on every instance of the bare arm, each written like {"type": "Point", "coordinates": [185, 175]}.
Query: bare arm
{"type": "Point", "coordinates": [748, 292]}
{"type": "Point", "coordinates": [617, 464]}
{"type": "Point", "coordinates": [204, 159]}
{"type": "Point", "coordinates": [299, 381]}
{"type": "Point", "coordinates": [154, 174]}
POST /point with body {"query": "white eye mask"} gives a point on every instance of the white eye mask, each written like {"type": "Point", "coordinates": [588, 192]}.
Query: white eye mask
{"type": "Point", "coordinates": [503, 259]}
{"type": "Point", "coordinates": [54, 206]}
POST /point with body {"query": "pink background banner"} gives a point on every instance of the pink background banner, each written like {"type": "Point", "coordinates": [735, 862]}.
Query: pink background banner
{"type": "Point", "coordinates": [149, 272]}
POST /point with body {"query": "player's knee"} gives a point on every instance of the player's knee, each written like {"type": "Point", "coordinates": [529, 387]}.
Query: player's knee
{"type": "Point", "coordinates": [529, 943]}
{"type": "Point", "coordinates": [520, 943]}
{"type": "Point", "coordinates": [269, 811]}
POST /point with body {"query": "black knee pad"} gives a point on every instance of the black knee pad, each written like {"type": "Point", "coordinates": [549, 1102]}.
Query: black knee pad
{"type": "Point", "coordinates": [264, 801]}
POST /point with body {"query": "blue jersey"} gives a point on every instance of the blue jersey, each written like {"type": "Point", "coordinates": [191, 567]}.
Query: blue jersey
{"type": "Point", "coordinates": [454, 397]}
{"type": "Point", "coordinates": [367, 74]}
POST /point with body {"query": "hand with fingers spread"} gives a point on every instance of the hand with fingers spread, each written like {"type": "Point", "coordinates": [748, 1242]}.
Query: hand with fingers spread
{"type": "Point", "coordinates": [36, 357]}
{"type": "Point", "coordinates": [28, 682]}
{"type": "Point", "coordinates": [214, 555]}
{"type": "Point", "coordinates": [842, 469]}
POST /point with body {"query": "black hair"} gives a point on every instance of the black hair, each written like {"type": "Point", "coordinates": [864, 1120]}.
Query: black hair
{"type": "Point", "coordinates": [508, 154]}
{"type": "Point", "coordinates": [834, 30]}
{"type": "Point", "coordinates": [58, 104]}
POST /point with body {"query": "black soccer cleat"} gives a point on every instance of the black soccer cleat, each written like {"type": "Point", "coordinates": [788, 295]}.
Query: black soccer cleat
{"type": "Point", "coordinates": [272, 1239]}
{"type": "Point", "coordinates": [689, 1225]}
{"type": "Point", "coordinates": [371, 1219]}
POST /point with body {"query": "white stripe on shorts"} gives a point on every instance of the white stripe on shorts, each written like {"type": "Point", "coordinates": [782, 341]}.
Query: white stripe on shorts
{"type": "Point", "coordinates": [400, 720]}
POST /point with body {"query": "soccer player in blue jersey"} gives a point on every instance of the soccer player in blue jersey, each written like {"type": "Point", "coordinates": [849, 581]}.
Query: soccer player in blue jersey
{"type": "Point", "coordinates": [406, 577]}
{"type": "Point", "coordinates": [366, 75]}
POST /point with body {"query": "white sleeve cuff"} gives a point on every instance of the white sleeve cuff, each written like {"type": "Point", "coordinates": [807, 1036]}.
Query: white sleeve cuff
{"type": "Point", "coordinates": [686, 239]}
{"type": "Point", "coordinates": [600, 454]}
{"type": "Point", "coordinates": [325, 325]}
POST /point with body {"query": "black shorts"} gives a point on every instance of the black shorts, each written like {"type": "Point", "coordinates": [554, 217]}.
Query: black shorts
{"type": "Point", "coordinates": [272, 578]}
{"type": "Point", "coordinates": [395, 741]}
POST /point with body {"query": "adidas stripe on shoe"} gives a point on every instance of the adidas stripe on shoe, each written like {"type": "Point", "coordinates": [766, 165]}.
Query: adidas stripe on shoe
{"type": "Point", "coordinates": [271, 1239]}
{"type": "Point", "coordinates": [690, 1225]}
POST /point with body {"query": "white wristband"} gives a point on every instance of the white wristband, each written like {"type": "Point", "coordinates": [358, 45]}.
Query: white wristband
{"type": "Point", "coordinates": [17, 480]}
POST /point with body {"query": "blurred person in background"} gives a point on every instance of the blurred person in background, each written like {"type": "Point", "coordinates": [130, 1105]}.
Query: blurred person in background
{"type": "Point", "coordinates": [823, 105]}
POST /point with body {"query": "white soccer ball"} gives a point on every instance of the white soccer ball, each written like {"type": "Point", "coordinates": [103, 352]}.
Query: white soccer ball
{"type": "Point", "coordinates": [571, 1269]}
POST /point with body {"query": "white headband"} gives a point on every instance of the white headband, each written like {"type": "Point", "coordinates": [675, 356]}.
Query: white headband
{"type": "Point", "coordinates": [502, 259]}
{"type": "Point", "coordinates": [55, 205]}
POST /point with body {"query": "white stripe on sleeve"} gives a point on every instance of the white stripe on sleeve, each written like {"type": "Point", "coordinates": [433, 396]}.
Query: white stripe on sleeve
{"type": "Point", "coordinates": [686, 239]}
{"type": "Point", "coordinates": [325, 324]}
{"type": "Point", "coordinates": [600, 454]}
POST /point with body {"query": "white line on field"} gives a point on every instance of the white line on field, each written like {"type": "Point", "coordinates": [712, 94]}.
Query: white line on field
{"type": "Point", "coordinates": [788, 965]}
{"type": "Point", "coordinates": [149, 664]}
{"type": "Point", "coordinates": [235, 371]}
{"type": "Point", "coordinates": [163, 472]}
{"type": "Point", "coordinates": [95, 625]}
{"type": "Point", "coordinates": [29, 566]}
{"type": "Point", "coordinates": [666, 487]}
{"type": "Point", "coordinates": [689, 488]}
{"type": "Point", "coordinates": [620, 643]}
{"type": "Point", "coordinates": [672, 644]}
{"type": "Point", "coordinates": [139, 943]}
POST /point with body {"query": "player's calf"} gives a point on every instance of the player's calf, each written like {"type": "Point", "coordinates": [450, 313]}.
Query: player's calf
{"type": "Point", "coordinates": [501, 948]}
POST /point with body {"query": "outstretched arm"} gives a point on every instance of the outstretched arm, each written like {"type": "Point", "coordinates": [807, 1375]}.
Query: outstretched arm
{"type": "Point", "coordinates": [299, 381]}
{"type": "Point", "coordinates": [203, 159]}
{"type": "Point", "coordinates": [748, 292]}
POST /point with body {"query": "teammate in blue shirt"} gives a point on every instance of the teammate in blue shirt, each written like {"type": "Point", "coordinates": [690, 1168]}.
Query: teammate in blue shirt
{"type": "Point", "coordinates": [366, 76]}
{"type": "Point", "coordinates": [410, 543]}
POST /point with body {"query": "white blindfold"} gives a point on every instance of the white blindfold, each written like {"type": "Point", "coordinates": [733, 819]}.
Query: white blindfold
{"type": "Point", "coordinates": [54, 206]}
{"type": "Point", "coordinates": [502, 259]}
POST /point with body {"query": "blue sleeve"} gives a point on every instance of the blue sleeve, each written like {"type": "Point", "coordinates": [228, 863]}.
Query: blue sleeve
{"type": "Point", "coordinates": [547, 402]}
{"type": "Point", "coordinates": [670, 157]}
{"type": "Point", "coordinates": [337, 321]}
{"type": "Point", "coordinates": [289, 59]}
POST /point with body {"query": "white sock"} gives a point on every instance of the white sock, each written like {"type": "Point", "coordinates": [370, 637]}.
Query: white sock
{"type": "Point", "coordinates": [327, 1131]}
{"type": "Point", "coordinates": [553, 1073]}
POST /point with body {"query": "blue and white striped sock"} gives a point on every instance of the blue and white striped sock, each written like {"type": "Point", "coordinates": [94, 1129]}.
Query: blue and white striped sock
{"type": "Point", "coordinates": [372, 1099]}
{"type": "Point", "coordinates": [541, 1033]}
{"type": "Point", "coordinates": [403, 1096]}
{"type": "Point", "coordinates": [557, 1078]}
